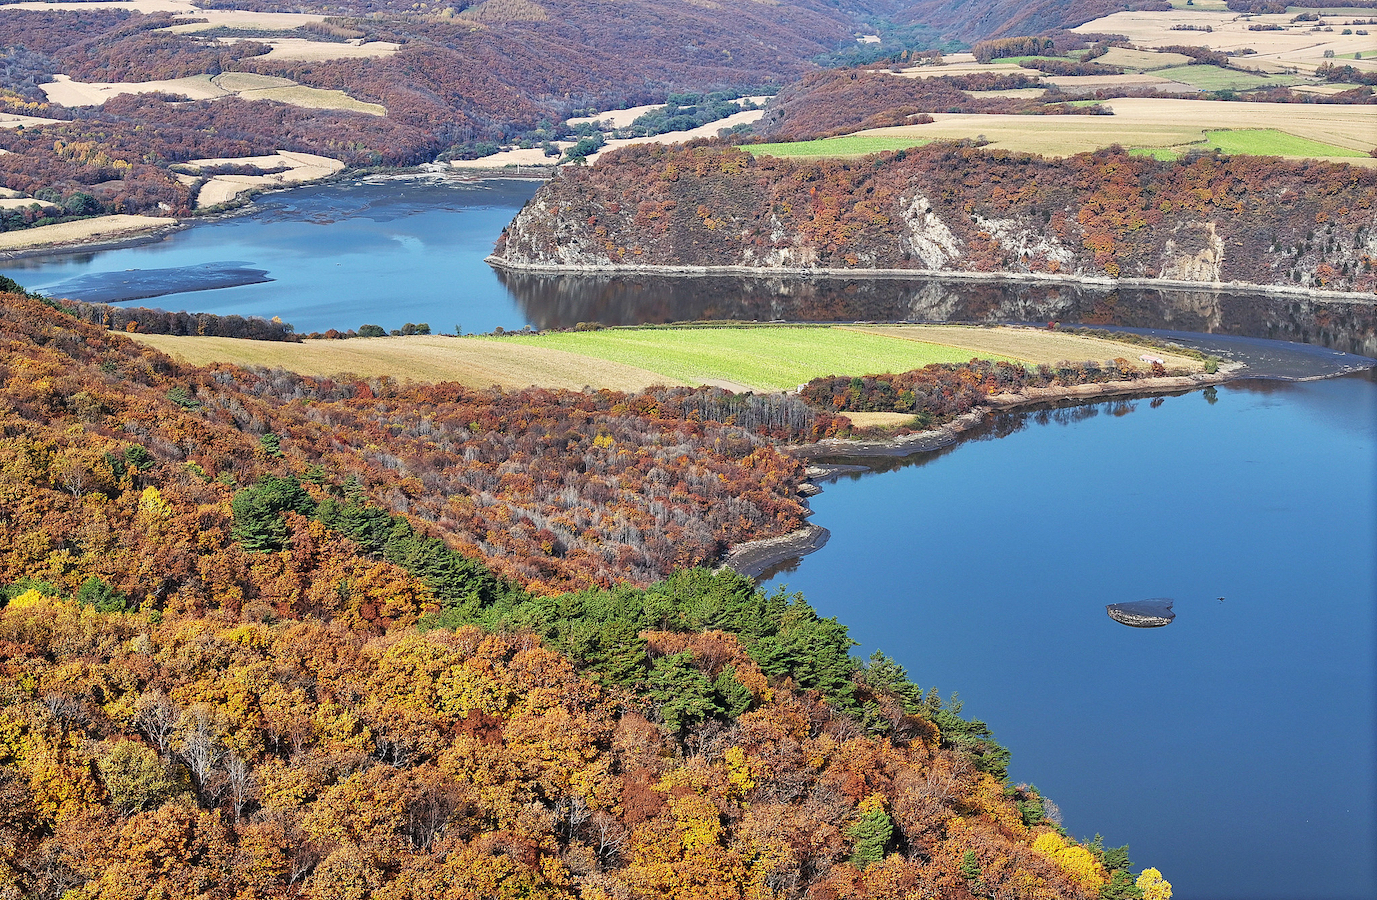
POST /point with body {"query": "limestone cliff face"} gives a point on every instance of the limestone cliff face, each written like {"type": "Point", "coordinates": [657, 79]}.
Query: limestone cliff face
{"type": "Point", "coordinates": [955, 209]}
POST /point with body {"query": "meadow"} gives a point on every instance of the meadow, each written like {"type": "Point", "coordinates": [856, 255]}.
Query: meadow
{"type": "Point", "coordinates": [472, 362]}
{"type": "Point", "coordinates": [1320, 130]}
{"type": "Point", "coordinates": [737, 357]}
{"type": "Point", "coordinates": [845, 145]}
{"type": "Point", "coordinates": [760, 358]}
{"type": "Point", "coordinates": [1271, 142]}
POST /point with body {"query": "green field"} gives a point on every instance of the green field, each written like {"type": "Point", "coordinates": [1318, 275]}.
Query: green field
{"type": "Point", "coordinates": [1270, 142]}
{"type": "Point", "coordinates": [770, 358]}
{"type": "Point", "coordinates": [846, 145]}
{"type": "Point", "coordinates": [1214, 78]}
{"type": "Point", "coordinates": [1161, 153]}
{"type": "Point", "coordinates": [1020, 60]}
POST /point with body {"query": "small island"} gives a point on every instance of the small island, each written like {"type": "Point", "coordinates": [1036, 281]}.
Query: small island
{"type": "Point", "coordinates": [1153, 613]}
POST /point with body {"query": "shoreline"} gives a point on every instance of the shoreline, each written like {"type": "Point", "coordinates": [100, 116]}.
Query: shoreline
{"type": "Point", "coordinates": [244, 205]}
{"type": "Point", "coordinates": [1277, 290]}
{"type": "Point", "coordinates": [149, 235]}
{"type": "Point", "coordinates": [752, 558]}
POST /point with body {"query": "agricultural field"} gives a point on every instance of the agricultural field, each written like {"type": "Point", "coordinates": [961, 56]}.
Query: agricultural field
{"type": "Point", "coordinates": [845, 145]}
{"type": "Point", "coordinates": [246, 85]}
{"type": "Point", "coordinates": [1271, 142]}
{"type": "Point", "coordinates": [1286, 47]}
{"type": "Point", "coordinates": [1215, 78]}
{"type": "Point", "coordinates": [472, 362]}
{"type": "Point", "coordinates": [760, 358]}
{"type": "Point", "coordinates": [102, 228]}
{"type": "Point", "coordinates": [744, 357]}
{"type": "Point", "coordinates": [1323, 131]}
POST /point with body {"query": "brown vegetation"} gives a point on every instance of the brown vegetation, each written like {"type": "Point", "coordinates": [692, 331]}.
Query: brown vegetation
{"type": "Point", "coordinates": [955, 207]}
{"type": "Point", "coordinates": [237, 662]}
{"type": "Point", "coordinates": [838, 101]}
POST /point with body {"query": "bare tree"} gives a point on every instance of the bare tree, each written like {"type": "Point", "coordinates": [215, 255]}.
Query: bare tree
{"type": "Point", "coordinates": [609, 836]}
{"type": "Point", "coordinates": [242, 786]}
{"type": "Point", "coordinates": [156, 716]}
{"type": "Point", "coordinates": [200, 747]}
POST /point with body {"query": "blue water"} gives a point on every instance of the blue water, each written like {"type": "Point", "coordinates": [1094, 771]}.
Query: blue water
{"type": "Point", "coordinates": [339, 256]}
{"type": "Point", "coordinates": [1233, 749]}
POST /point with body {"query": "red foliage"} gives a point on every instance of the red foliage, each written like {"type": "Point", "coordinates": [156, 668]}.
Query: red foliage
{"type": "Point", "coordinates": [837, 101]}
{"type": "Point", "coordinates": [955, 207]}
{"type": "Point", "coordinates": [553, 488]}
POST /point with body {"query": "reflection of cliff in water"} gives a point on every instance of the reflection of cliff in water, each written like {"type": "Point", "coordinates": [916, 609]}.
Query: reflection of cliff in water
{"type": "Point", "coordinates": [561, 301]}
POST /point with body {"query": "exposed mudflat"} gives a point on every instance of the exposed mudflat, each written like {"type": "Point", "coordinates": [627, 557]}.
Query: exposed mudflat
{"type": "Point", "coordinates": [140, 284]}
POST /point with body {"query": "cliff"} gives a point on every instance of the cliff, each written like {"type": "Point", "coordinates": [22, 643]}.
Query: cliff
{"type": "Point", "coordinates": [953, 208]}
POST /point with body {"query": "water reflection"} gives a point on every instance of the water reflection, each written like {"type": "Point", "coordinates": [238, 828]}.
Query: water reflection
{"type": "Point", "coordinates": [561, 301]}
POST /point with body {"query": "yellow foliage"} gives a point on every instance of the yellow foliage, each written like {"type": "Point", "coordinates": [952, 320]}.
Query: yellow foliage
{"type": "Point", "coordinates": [739, 774]}
{"type": "Point", "coordinates": [873, 803]}
{"type": "Point", "coordinates": [1074, 860]}
{"type": "Point", "coordinates": [1153, 886]}
{"type": "Point", "coordinates": [152, 505]}
{"type": "Point", "coordinates": [28, 600]}
{"type": "Point", "coordinates": [700, 824]}
{"type": "Point", "coordinates": [463, 689]}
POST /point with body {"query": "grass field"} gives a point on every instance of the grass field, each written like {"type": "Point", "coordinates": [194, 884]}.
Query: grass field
{"type": "Point", "coordinates": [1161, 153]}
{"type": "Point", "coordinates": [1154, 122]}
{"type": "Point", "coordinates": [1142, 60]}
{"type": "Point", "coordinates": [470, 361]}
{"type": "Point", "coordinates": [846, 145]}
{"type": "Point", "coordinates": [1027, 345]}
{"type": "Point", "coordinates": [1214, 78]}
{"type": "Point", "coordinates": [630, 359]}
{"type": "Point", "coordinates": [1271, 142]}
{"type": "Point", "coordinates": [315, 98]}
{"type": "Point", "coordinates": [767, 358]}
{"type": "Point", "coordinates": [99, 228]}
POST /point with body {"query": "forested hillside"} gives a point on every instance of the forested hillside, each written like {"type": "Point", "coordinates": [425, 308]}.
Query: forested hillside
{"type": "Point", "coordinates": [264, 636]}
{"type": "Point", "coordinates": [840, 101]}
{"type": "Point", "coordinates": [459, 84]}
{"type": "Point", "coordinates": [954, 207]}
{"type": "Point", "coordinates": [974, 20]}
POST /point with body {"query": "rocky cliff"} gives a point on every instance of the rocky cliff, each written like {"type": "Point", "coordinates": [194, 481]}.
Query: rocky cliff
{"type": "Point", "coordinates": [958, 209]}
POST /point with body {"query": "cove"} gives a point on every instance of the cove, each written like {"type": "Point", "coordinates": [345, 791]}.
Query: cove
{"type": "Point", "coordinates": [1234, 749]}
{"type": "Point", "coordinates": [384, 252]}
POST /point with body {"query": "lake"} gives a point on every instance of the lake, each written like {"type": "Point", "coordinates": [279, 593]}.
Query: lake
{"type": "Point", "coordinates": [1234, 749]}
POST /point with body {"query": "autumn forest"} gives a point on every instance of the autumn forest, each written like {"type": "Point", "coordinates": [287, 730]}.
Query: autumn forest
{"type": "Point", "coordinates": [270, 636]}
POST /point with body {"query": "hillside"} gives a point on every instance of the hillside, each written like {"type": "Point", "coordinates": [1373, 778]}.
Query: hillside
{"type": "Point", "coordinates": [954, 207]}
{"type": "Point", "coordinates": [974, 20]}
{"type": "Point", "coordinates": [150, 90]}
{"type": "Point", "coordinates": [245, 651]}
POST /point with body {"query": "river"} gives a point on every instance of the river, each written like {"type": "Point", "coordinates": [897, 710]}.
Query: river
{"type": "Point", "coordinates": [1235, 749]}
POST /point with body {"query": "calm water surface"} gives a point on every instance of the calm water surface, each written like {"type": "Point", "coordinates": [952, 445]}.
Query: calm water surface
{"type": "Point", "coordinates": [338, 256]}
{"type": "Point", "coordinates": [1234, 749]}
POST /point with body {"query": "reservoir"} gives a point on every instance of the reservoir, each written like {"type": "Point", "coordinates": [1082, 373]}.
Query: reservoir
{"type": "Point", "coordinates": [1235, 749]}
